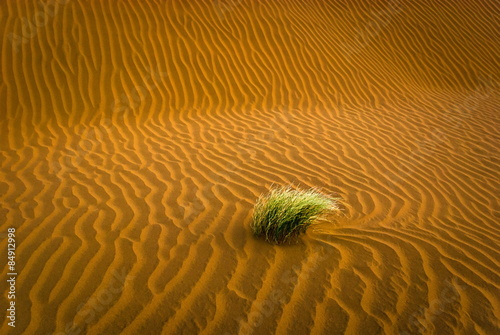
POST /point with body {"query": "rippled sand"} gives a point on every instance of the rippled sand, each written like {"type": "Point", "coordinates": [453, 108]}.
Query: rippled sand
{"type": "Point", "coordinates": [135, 137]}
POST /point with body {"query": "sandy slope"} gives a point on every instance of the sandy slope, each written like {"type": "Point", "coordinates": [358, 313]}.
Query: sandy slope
{"type": "Point", "coordinates": [136, 136]}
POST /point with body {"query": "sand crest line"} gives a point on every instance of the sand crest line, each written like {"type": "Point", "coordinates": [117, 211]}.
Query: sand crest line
{"type": "Point", "coordinates": [463, 113]}
{"type": "Point", "coordinates": [120, 108]}
{"type": "Point", "coordinates": [193, 210]}
{"type": "Point", "coordinates": [138, 135]}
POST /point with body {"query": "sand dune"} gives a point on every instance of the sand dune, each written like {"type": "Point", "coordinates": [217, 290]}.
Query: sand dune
{"type": "Point", "coordinates": [136, 136]}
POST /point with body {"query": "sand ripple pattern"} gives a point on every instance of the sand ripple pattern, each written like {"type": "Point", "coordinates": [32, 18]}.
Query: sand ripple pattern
{"type": "Point", "coordinates": [135, 137]}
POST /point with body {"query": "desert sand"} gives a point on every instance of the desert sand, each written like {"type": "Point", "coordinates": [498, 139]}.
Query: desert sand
{"type": "Point", "coordinates": [135, 137]}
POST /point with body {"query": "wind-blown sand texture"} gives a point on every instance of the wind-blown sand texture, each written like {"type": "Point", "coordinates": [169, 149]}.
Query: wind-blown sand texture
{"type": "Point", "coordinates": [137, 135]}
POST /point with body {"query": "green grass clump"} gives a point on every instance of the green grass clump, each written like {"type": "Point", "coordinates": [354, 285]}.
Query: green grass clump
{"type": "Point", "coordinates": [285, 213]}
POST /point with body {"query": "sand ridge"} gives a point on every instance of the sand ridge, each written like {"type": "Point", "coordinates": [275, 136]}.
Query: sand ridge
{"type": "Point", "coordinates": [136, 137]}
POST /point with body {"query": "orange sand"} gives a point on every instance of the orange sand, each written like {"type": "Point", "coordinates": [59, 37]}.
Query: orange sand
{"type": "Point", "coordinates": [136, 136]}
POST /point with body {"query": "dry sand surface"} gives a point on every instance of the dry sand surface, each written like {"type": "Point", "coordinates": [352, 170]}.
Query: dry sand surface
{"type": "Point", "coordinates": [137, 135]}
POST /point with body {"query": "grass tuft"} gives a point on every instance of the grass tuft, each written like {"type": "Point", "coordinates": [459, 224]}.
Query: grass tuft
{"type": "Point", "coordinates": [285, 213]}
